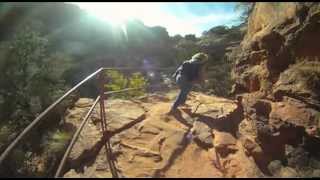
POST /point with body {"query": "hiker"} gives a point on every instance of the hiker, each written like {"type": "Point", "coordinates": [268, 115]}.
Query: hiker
{"type": "Point", "coordinates": [189, 73]}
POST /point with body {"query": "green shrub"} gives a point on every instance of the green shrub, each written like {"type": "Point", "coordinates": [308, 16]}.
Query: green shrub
{"type": "Point", "coordinates": [220, 82]}
{"type": "Point", "coordinates": [19, 157]}
{"type": "Point", "coordinates": [136, 81]}
{"type": "Point", "coordinates": [30, 76]}
{"type": "Point", "coordinates": [117, 81]}
{"type": "Point", "coordinates": [5, 132]}
{"type": "Point", "coordinates": [57, 142]}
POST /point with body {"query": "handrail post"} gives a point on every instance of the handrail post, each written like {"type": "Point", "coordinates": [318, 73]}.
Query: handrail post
{"type": "Point", "coordinates": [101, 82]}
{"type": "Point", "coordinates": [104, 126]}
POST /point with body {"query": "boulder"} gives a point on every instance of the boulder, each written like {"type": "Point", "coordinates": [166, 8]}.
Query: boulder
{"type": "Point", "coordinates": [275, 167]}
{"type": "Point", "coordinates": [298, 158]}
{"type": "Point", "coordinates": [84, 102]}
{"type": "Point", "coordinates": [316, 173]}
{"type": "Point", "coordinates": [224, 143]}
{"type": "Point", "coordinates": [237, 164]}
{"type": "Point", "coordinates": [287, 172]}
{"type": "Point", "coordinates": [202, 133]}
{"type": "Point", "coordinates": [211, 106]}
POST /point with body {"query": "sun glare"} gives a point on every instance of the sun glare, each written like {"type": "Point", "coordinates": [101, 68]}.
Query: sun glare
{"type": "Point", "coordinates": [116, 13]}
{"type": "Point", "coordinates": [176, 21]}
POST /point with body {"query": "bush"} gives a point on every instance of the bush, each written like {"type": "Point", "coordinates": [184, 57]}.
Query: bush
{"type": "Point", "coordinates": [136, 81]}
{"type": "Point", "coordinates": [57, 141]}
{"type": "Point", "coordinates": [5, 132]}
{"type": "Point", "coordinates": [54, 146]}
{"type": "Point", "coordinates": [220, 82]}
{"type": "Point", "coordinates": [30, 79]}
{"type": "Point", "coordinates": [117, 81]}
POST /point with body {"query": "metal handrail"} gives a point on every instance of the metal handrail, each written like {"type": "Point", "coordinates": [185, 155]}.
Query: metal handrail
{"type": "Point", "coordinates": [123, 90]}
{"type": "Point", "coordinates": [34, 122]}
{"type": "Point", "coordinates": [137, 68]}
{"type": "Point", "coordinates": [75, 138]}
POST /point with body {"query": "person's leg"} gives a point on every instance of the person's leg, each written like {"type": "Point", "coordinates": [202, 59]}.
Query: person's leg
{"type": "Point", "coordinates": [185, 88]}
{"type": "Point", "coordinates": [179, 99]}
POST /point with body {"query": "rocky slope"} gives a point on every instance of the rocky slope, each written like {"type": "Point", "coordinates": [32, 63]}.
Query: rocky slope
{"type": "Point", "coordinates": [199, 141]}
{"type": "Point", "coordinates": [277, 74]}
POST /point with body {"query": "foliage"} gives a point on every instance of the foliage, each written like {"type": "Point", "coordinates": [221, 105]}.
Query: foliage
{"type": "Point", "coordinates": [22, 63]}
{"type": "Point", "coordinates": [5, 132]}
{"type": "Point", "coordinates": [219, 79]}
{"type": "Point", "coordinates": [117, 81]}
{"type": "Point", "coordinates": [33, 78]}
{"type": "Point", "coordinates": [136, 81]}
{"type": "Point", "coordinates": [219, 30]}
{"type": "Point", "coordinates": [53, 144]}
{"type": "Point", "coordinates": [30, 81]}
{"type": "Point", "coordinates": [190, 37]}
{"type": "Point", "coordinates": [18, 160]}
{"type": "Point", "coordinates": [56, 142]}
{"type": "Point", "coordinates": [185, 49]}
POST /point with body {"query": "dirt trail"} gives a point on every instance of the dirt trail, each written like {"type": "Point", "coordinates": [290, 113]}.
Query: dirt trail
{"type": "Point", "coordinates": [149, 143]}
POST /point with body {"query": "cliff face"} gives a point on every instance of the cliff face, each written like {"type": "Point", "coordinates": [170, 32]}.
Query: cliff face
{"type": "Point", "coordinates": [277, 81]}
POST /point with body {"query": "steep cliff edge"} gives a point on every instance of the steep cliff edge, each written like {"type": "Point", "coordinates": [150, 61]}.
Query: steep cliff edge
{"type": "Point", "coordinates": [277, 74]}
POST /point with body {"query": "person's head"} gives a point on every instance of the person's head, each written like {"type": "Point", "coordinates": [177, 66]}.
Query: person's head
{"type": "Point", "coordinates": [200, 57]}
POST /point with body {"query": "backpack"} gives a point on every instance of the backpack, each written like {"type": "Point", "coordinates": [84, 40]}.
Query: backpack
{"type": "Point", "coordinates": [189, 70]}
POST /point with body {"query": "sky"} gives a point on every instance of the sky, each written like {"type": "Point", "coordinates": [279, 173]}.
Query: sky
{"type": "Point", "coordinates": [177, 17]}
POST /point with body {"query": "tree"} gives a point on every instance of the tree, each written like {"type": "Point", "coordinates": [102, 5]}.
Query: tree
{"type": "Point", "coordinates": [219, 30]}
{"type": "Point", "coordinates": [28, 82]}
{"type": "Point", "coordinates": [190, 37]}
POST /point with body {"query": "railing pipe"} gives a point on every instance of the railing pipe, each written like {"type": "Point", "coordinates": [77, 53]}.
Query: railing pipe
{"type": "Point", "coordinates": [75, 138]}
{"type": "Point", "coordinates": [137, 68]}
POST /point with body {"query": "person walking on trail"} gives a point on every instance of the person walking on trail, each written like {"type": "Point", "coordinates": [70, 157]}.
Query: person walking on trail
{"type": "Point", "coordinates": [187, 74]}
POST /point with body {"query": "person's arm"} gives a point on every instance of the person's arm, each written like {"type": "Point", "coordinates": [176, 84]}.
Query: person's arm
{"type": "Point", "coordinates": [177, 71]}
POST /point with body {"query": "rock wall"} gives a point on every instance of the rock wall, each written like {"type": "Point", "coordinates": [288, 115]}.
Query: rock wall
{"type": "Point", "coordinates": [277, 82]}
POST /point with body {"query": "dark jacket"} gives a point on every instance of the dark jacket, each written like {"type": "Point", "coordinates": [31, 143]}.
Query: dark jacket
{"type": "Point", "coordinates": [190, 69]}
